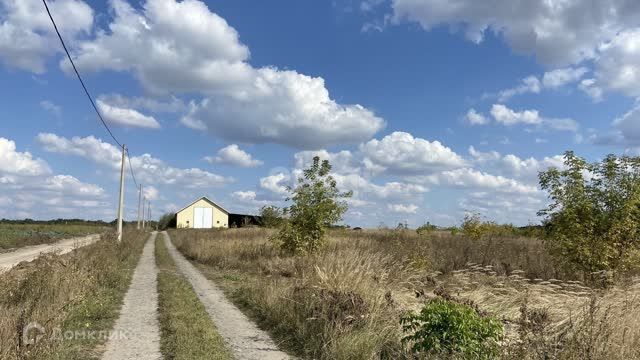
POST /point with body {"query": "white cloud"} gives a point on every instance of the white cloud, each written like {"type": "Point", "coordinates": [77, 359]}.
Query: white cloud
{"type": "Point", "coordinates": [148, 170]}
{"type": "Point", "coordinates": [628, 126]}
{"type": "Point", "coordinates": [558, 32]}
{"type": "Point", "coordinates": [590, 87]}
{"type": "Point", "coordinates": [550, 80]}
{"type": "Point", "coordinates": [475, 118]}
{"type": "Point", "coordinates": [27, 37]}
{"type": "Point", "coordinates": [530, 84]}
{"type": "Point", "coordinates": [284, 107]}
{"type": "Point", "coordinates": [13, 162]}
{"type": "Point", "coordinates": [471, 178]}
{"type": "Point", "coordinates": [342, 162]}
{"type": "Point", "coordinates": [618, 64]}
{"type": "Point", "coordinates": [513, 166]}
{"type": "Point", "coordinates": [30, 190]}
{"type": "Point", "coordinates": [233, 155]}
{"type": "Point", "coordinates": [51, 107]}
{"type": "Point", "coordinates": [509, 117]}
{"type": "Point", "coordinates": [241, 103]}
{"type": "Point", "coordinates": [401, 153]}
{"type": "Point", "coordinates": [244, 195]}
{"type": "Point", "coordinates": [170, 104]}
{"type": "Point", "coordinates": [481, 157]}
{"type": "Point", "coordinates": [402, 209]}
{"type": "Point", "coordinates": [506, 116]}
{"type": "Point", "coordinates": [150, 192]}
{"type": "Point", "coordinates": [126, 117]}
{"type": "Point", "coordinates": [560, 77]}
{"type": "Point", "coordinates": [276, 184]}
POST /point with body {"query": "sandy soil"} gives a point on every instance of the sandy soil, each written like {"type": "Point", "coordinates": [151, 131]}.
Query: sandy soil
{"type": "Point", "coordinates": [30, 253]}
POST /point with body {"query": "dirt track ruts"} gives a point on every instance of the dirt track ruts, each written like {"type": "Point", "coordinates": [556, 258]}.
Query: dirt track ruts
{"type": "Point", "coordinates": [243, 337]}
{"type": "Point", "coordinates": [136, 334]}
{"type": "Point", "coordinates": [30, 253]}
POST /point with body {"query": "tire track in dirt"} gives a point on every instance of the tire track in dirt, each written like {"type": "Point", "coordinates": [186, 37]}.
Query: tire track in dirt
{"type": "Point", "coordinates": [136, 334]}
{"type": "Point", "coordinates": [243, 337]}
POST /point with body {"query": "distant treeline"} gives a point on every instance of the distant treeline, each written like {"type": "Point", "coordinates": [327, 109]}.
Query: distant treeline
{"type": "Point", "coordinates": [64, 222]}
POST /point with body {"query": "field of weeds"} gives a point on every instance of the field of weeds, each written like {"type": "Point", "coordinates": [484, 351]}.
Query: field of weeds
{"type": "Point", "coordinates": [69, 302]}
{"type": "Point", "coordinates": [19, 235]}
{"type": "Point", "coordinates": [346, 300]}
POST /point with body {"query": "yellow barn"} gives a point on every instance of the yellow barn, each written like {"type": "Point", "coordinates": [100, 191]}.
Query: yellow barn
{"type": "Point", "coordinates": [202, 214]}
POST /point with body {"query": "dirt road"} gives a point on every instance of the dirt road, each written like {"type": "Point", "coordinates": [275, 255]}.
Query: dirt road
{"type": "Point", "coordinates": [243, 337]}
{"type": "Point", "coordinates": [136, 334]}
{"type": "Point", "coordinates": [29, 253]}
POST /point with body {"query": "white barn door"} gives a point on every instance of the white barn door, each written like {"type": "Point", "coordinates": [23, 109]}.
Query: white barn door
{"type": "Point", "coordinates": [202, 218]}
{"type": "Point", "coordinates": [207, 218]}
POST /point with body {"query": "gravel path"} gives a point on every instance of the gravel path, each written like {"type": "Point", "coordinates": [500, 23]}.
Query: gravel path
{"type": "Point", "coordinates": [136, 334]}
{"type": "Point", "coordinates": [243, 337]}
{"type": "Point", "coordinates": [30, 253]}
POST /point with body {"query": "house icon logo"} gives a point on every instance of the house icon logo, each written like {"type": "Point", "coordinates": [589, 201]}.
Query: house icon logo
{"type": "Point", "coordinates": [32, 333]}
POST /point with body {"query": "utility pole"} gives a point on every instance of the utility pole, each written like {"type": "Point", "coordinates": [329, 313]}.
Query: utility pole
{"type": "Point", "coordinates": [144, 200]}
{"type": "Point", "coordinates": [121, 200]}
{"type": "Point", "coordinates": [149, 213]}
{"type": "Point", "coordinates": [139, 200]}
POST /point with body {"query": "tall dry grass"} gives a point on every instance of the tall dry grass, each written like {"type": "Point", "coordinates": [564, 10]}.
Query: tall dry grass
{"type": "Point", "coordinates": [79, 291]}
{"type": "Point", "coordinates": [345, 301]}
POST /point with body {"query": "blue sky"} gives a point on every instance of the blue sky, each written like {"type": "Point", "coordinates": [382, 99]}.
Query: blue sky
{"type": "Point", "coordinates": [427, 110]}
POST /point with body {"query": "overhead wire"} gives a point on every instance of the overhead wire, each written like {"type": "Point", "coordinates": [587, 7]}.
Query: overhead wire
{"type": "Point", "coordinates": [86, 91]}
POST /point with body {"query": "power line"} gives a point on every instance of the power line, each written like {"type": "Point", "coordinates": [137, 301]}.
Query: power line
{"type": "Point", "coordinates": [131, 168]}
{"type": "Point", "coordinates": [78, 74]}
{"type": "Point", "coordinates": [86, 91]}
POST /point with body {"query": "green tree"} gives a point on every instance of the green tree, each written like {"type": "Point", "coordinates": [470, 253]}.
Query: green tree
{"type": "Point", "coordinates": [316, 205]}
{"type": "Point", "coordinates": [271, 216]}
{"type": "Point", "coordinates": [593, 221]}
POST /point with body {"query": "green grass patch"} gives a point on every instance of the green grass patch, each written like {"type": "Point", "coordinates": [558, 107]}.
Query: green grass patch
{"type": "Point", "coordinates": [187, 330]}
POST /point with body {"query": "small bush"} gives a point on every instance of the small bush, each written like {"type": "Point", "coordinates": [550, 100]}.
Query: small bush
{"type": "Point", "coordinates": [452, 329]}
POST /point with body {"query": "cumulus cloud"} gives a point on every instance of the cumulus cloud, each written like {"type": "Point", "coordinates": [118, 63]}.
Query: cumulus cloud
{"type": "Point", "coordinates": [506, 116]}
{"type": "Point", "coordinates": [560, 77]}
{"type": "Point", "coordinates": [126, 117]}
{"type": "Point", "coordinates": [548, 29]}
{"type": "Point", "coordinates": [511, 165]}
{"type": "Point", "coordinates": [342, 162]}
{"type": "Point", "coordinates": [13, 162]}
{"type": "Point", "coordinates": [401, 153]}
{"type": "Point", "coordinates": [29, 189]}
{"type": "Point", "coordinates": [169, 104]}
{"type": "Point", "coordinates": [618, 64]}
{"type": "Point", "coordinates": [27, 37]}
{"type": "Point", "coordinates": [276, 184]}
{"type": "Point", "coordinates": [233, 155]}
{"type": "Point", "coordinates": [402, 209]}
{"type": "Point", "coordinates": [475, 118]}
{"type": "Point", "coordinates": [148, 170]}
{"type": "Point", "coordinates": [241, 103]}
{"type": "Point", "coordinates": [471, 178]}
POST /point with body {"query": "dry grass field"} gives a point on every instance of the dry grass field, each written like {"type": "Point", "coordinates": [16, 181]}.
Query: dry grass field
{"type": "Point", "coordinates": [19, 235]}
{"type": "Point", "coordinates": [74, 297]}
{"type": "Point", "coordinates": [345, 301]}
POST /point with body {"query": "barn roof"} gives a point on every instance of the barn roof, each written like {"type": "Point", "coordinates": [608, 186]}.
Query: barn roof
{"type": "Point", "coordinates": [207, 200]}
